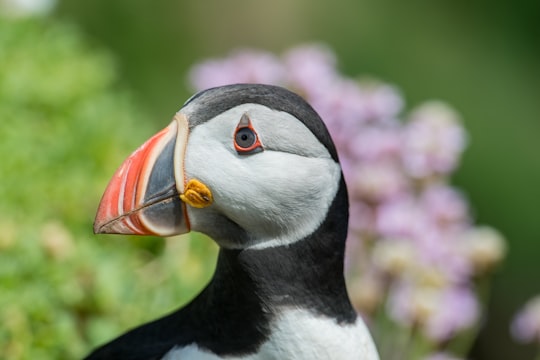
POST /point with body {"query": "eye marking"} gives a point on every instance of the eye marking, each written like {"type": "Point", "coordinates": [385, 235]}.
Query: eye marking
{"type": "Point", "coordinates": [246, 140]}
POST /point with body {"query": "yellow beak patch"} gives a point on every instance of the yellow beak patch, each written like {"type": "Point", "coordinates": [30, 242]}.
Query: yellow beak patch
{"type": "Point", "coordinates": [197, 194]}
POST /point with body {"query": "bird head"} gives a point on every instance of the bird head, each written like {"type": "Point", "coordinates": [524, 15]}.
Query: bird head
{"type": "Point", "coordinates": [248, 165]}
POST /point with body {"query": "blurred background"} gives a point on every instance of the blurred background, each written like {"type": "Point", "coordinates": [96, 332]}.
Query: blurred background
{"type": "Point", "coordinates": [114, 72]}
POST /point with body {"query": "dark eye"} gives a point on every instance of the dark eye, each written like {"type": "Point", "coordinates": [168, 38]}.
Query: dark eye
{"type": "Point", "coordinates": [245, 138]}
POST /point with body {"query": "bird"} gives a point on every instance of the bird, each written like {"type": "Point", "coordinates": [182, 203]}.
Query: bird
{"type": "Point", "coordinates": [253, 167]}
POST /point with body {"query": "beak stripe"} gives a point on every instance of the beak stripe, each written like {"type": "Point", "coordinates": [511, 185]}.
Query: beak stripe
{"type": "Point", "coordinates": [125, 193]}
{"type": "Point", "coordinates": [145, 161]}
{"type": "Point", "coordinates": [179, 160]}
{"type": "Point", "coordinates": [180, 151]}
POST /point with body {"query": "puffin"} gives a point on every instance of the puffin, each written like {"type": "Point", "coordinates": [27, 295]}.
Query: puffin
{"type": "Point", "coordinates": [253, 167]}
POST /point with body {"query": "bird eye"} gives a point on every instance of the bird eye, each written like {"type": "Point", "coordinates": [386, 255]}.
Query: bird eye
{"type": "Point", "coordinates": [246, 140]}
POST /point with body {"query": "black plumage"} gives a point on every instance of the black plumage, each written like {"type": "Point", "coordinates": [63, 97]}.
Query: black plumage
{"type": "Point", "coordinates": [234, 315]}
{"type": "Point", "coordinates": [231, 316]}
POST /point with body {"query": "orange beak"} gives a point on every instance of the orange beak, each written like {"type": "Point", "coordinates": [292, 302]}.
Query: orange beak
{"type": "Point", "coordinates": [143, 197]}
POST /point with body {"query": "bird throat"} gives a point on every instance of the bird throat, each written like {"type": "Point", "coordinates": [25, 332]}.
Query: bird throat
{"type": "Point", "coordinates": [307, 274]}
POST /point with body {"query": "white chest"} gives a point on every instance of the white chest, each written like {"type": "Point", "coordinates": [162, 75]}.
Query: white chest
{"type": "Point", "coordinates": [297, 335]}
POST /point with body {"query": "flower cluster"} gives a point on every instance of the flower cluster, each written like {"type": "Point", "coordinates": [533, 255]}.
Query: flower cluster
{"type": "Point", "coordinates": [413, 251]}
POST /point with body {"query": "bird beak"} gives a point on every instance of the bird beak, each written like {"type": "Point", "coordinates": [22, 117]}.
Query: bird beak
{"type": "Point", "coordinates": [143, 197]}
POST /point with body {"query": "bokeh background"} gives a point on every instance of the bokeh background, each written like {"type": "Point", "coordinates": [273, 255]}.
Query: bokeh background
{"type": "Point", "coordinates": [125, 64]}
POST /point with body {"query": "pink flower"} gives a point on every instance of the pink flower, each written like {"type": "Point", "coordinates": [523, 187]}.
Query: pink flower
{"type": "Point", "coordinates": [446, 206]}
{"type": "Point", "coordinates": [341, 106]}
{"type": "Point", "coordinates": [440, 251]}
{"type": "Point", "coordinates": [458, 310]}
{"type": "Point", "coordinates": [409, 305]}
{"type": "Point", "coordinates": [433, 141]}
{"type": "Point", "coordinates": [407, 217]}
{"type": "Point", "coordinates": [440, 312]}
{"type": "Point", "coordinates": [311, 69]}
{"type": "Point", "coordinates": [382, 102]}
{"type": "Point", "coordinates": [376, 143]}
{"type": "Point", "coordinates": [243, 66]}
{"type": "Point", "coordinates": [526, 325]}
{"type": "Point", "coordinates": [401, 217]}
{"type": "Point", "coordinates": [375, 182]}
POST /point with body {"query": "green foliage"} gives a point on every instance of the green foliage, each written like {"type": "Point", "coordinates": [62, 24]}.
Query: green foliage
{"type": "Point", "coordinates": [65, 125]}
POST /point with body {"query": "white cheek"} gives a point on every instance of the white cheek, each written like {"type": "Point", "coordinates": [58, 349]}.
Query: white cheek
{"type": "Point", "coordinates": [276, 197]}
{"type": "Point", "coordinates": [285, 198]}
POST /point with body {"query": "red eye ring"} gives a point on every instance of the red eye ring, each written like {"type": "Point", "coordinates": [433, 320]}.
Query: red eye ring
{"type": "Point", "coordinates": [246, 140]}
